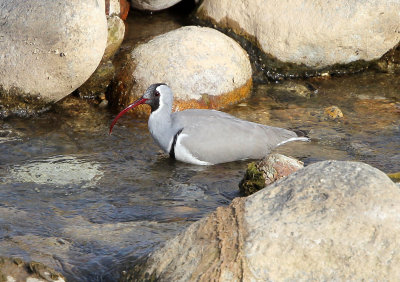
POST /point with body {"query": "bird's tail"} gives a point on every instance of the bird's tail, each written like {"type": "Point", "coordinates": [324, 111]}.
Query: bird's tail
{"type": "Point", "coordinates": [302, 135]}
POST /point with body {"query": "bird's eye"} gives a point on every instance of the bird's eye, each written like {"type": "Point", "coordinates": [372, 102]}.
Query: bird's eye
{"type": "Point", "coordinates": [157, 93]}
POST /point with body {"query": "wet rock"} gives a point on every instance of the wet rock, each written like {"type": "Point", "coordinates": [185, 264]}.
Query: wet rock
{"type": "Point", "coordinates": [116, 32]}
{"type": "Point", "coordinates": [51, 50]}
{"type": "Point", "coordinates": [333, 113]}
{"type": "Point", "coordinates": [153, 5]}
{"type": "Point", "coordinates": [252, 181]}
{"type": "Point", "coordinates": [331, 220]}
{"type": "Point", "coordinates": [204, 68]}
{"type": "Point", "coordinates": [395, 176]}
{"type": "Point", "coordinates": [390, 62]}
{"type": "Point", "coordinates": [15, 269]}
{"type": "Point", "coordinates": [290, 90]}
{"type": "Point", "coordinates": [311, 36]}
{"type": "Point", "coordinates": [98, 83]}
{"type": "Point", "coordinates": [14, 102]}
{"type": "Point", "coordinates": [267, 171]}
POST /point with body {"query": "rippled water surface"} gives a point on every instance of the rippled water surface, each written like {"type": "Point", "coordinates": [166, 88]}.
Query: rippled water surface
{"type": "Point", "coordinates": [85, 203]}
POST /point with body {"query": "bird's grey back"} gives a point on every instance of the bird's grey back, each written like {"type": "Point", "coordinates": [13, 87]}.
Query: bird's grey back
{"type": "Point", "coordinates": [216, 137]}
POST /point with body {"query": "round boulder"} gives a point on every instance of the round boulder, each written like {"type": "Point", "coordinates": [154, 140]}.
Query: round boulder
{"type": "Point", "coordinates": [204, 68]}
{"type": "Point", "coordinates": [48, 48]}
{"type": "Point", "coordinates": [153, 5]}
{"type": "Point", "coordinates": [316, 34]}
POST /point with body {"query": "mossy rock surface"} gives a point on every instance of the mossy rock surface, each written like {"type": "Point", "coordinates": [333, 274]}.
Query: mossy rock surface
{"type": "Point", "coordinates": [395, 176]}
{"type": "Point", "coordinates": [252, 181]}
{"type": "Point", "coordinates": [14, 102]}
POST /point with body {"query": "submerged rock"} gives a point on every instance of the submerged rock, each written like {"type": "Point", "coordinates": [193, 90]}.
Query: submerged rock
{"type": "Point", "coordinates": [311, 35]}
{"type": "Point", "coordinates": [204, 68]}
{"type": "Point", "coordinates": [331, 220]}
{"type": "Point", "coordinates": [15, 269]}
{"type": "Point", "coordinates": [290, 90]}
{"type": "Point", "coordinates": [49, 48]}
{"type": "Point", "coordinates": [333, 113]}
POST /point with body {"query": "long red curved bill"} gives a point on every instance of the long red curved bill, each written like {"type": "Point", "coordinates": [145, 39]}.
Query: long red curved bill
{"type": "Point", "coordinates": [134, 104]}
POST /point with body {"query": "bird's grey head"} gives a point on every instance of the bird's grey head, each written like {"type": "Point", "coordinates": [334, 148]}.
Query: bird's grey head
{"type": "Point", "coordinates": [158, 95]}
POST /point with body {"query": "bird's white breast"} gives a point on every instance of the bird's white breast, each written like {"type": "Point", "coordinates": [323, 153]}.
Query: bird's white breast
{"type": "Point", "coordinates": [183, 154]}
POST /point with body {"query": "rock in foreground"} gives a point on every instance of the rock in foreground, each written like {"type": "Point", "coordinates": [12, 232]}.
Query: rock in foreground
{"type": "Point", "coordinates": [203, 67]}
{"type": "Point", "coordinates": [329, 221]}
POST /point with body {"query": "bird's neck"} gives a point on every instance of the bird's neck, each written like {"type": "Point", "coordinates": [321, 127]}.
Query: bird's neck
{"type": "Point", "coordinates": [160, 127]}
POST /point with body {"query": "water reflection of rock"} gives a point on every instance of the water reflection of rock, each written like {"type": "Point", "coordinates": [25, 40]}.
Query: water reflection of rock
{"type": "Point", "coordinates": [57, 171]}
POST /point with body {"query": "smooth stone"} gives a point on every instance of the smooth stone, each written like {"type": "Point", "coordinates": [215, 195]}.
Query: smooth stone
{"type": "Point", "coordinates": [332, 220]}
{"type": "Point", "coordinates": [153, 5]}
{"type": "Point", "coordinates": [315, 34]}
{"type": "Point", "coordinates": [204, 68]}
{"type": "Point", "coordinates": [49, 47]}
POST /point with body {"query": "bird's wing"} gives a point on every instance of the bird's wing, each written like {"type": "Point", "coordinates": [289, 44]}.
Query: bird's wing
{"type": "Point", "coordinates": [215, 137]}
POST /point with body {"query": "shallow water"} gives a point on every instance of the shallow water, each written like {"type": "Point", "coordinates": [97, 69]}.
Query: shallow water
{"type": "Point", "coordinates": [85, 203]}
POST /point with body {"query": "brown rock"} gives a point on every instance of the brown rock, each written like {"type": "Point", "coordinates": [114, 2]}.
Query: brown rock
{"type": "Point", "coordinates": [15, 269]}
{"type": "Point", "coordinates": [124, 9]}
{"type": "Point", "coordinates": [333, 113]}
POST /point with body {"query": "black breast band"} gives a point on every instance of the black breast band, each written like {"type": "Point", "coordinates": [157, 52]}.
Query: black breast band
{"type": "Point", "coordinates": [172, 150]}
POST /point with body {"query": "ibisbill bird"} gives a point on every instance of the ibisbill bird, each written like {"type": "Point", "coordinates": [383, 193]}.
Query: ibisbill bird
{"type": "Point", "coordinates": [206, 137]}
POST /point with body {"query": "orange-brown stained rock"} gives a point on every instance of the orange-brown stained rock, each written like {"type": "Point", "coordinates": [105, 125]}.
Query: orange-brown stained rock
{"type": "Point", "coordinates": [107, 7]}
{"type": "Point", "coordinates": [124, 9]}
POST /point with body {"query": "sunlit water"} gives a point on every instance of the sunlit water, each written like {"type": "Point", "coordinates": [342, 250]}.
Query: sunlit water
{"type": "Point", "coordinates": [86, 203]}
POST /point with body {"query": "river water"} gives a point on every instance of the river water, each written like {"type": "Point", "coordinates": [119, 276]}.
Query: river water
{"type": "Point", "coordinates": [86, 203]}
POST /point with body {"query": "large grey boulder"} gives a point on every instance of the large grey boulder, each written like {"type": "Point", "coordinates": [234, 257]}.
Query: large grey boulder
{"type": "Point", "coordinates": [317, 33]}
{"type": "Point", "coordinates": [48, 48]}
{"type": "Point", "coordinates": [329, 221]}
{"type": "Point", "coordinates": [204, 67]}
